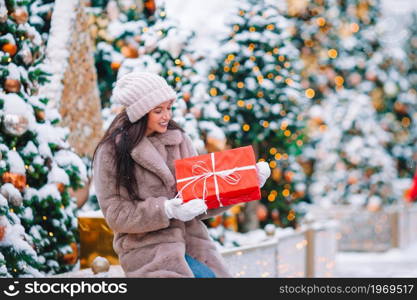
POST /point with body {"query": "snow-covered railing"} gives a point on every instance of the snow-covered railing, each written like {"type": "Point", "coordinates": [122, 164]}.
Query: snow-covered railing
{"type": "Point", "coordinates": [306, 252]}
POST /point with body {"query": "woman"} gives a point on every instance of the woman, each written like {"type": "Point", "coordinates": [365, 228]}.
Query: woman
{"type": "Point", "coordinates": [133, 172]}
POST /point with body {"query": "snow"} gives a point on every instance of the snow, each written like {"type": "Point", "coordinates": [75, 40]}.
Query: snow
{"type": "Point", "coordinates": [65, 158]}
{"type": "Point", "coordinates": [393, 263]}
{"type": "Point", "coordinates": [8, 190]}
{"type": "Point", "coordinates": [15, 105]}
{"type": "Point", "coordinates": [15, 162]}
{"type": "Point", "coordinates": [63, 18]}
{"type": "Point", "coordinates": [57, 174]}
{"type": "Point", "coordinates": [90, 214]}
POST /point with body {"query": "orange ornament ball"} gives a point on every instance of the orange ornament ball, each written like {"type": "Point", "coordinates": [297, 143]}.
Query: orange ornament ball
{"type": "Point", "coordinates": [18, 180]}
{"type": "Point", "coordinates": [130, 52]}
{"type": "Point", "coordinates": [9, 48]}
{"type": "Point", "coordinates": [71, 258]}
{"type": "Point", "coordinates": [20, 15]}
{"type": "Point", "coordinates": [115, 65]}
{"type": "Point", "coordinates": [12, 85]}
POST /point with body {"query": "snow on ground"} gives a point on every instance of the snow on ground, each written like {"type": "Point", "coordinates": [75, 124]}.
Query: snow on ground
{"type": "Point", "coordinates": [393, 263]}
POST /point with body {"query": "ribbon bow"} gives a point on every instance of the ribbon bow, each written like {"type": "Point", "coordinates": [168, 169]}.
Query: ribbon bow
{"type": "Point", "coordinates": [201, 171]}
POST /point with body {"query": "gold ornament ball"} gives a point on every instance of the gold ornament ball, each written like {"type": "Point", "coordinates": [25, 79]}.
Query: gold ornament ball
{"type": "Point", "coordinates": [100, 264]}
{"type": "Point", "coordinates": [12, 85]}
{"type": "Point", "coordinates": [20, 15]}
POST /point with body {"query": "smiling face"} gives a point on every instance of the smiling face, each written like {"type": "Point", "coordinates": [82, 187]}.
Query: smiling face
{"type": "Point", "coordinates": [159, 117]}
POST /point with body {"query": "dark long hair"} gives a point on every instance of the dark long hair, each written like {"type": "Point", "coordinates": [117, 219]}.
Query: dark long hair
{"type": "Point", "coordinates": [123, 136]}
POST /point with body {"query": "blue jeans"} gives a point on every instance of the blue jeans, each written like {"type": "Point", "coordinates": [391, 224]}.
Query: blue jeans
{"type": "Point", "coordinates": [199, 269]}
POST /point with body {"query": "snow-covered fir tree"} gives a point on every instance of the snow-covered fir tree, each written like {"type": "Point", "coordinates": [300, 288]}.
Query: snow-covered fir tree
{"type": "Point", "coordinates": [353, 166]}
{"type": "Point", "coordinates": [255, 87]}
{"type": "Point", "coordinates": [37, 165]}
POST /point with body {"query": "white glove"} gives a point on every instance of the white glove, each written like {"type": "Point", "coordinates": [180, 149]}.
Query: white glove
{"type": "Point", "coordinates": [263, 172]}
{"type": "Point", "coordinates": [174, 208]}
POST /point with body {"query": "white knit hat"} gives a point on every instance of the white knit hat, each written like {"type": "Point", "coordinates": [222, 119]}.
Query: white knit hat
{"type": "Point", "coordinates": [140, 92]}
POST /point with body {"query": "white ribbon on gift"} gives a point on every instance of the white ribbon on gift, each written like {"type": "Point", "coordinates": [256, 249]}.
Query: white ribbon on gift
{"type": "Point", "coordinates": [227, 175]}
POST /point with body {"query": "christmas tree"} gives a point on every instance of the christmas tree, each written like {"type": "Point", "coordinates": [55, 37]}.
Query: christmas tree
{"type": "Point", "coordinates": [310, 24]}
{"type": "Point", "coordinates": [17, 255]}
{"type": "Point", "coordinates": [255, 86]}
{"type": "Point", "coordinates": [353, 166]}
{"type": "Point", "coordinates": [36, 159]}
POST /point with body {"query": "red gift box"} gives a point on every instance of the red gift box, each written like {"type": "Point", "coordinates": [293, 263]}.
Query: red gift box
{"type": "Point", "coordinates": [220, 178]}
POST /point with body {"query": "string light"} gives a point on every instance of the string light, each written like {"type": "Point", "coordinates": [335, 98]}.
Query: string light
{"type": "Point", "coordinates": [285, 192]}
{"type": "Point", "coordinates": [339, 80]}
{"type": "Point", "coordinates": [252, 29]}
{"type": "Point", "coordinates": [260, 94]}
{"type": "Point", "coordinates": [226, 69]}
{"type": "Point", "coordinates": [310, 93]}
{"type": "Point", "coordinates": [405, 122]}
{"type": "Point", "coordinates": [354, 27]}
{"type": "Point", "coordinates": [270, 27]}
{"type": "Point", "coordinates": [332, 53]}
{"type": "Point", "coordinates": [309, 43]}
{"type": "Point", "coordinates": [236, 27]}
{"type": "Point", "coordinates": [321, 22]}
{"type": "Point", "coordinates": [281, 58]}
{"type": "Point", "coordinates": [278, 156]}
{"type": "Point", "coordinates": [177, 61]}
{"type": "Point", "coordinates": [44, 218]}
{"type": "Point", "coordinates": [284, 125]}
{"type": "Point", "coordinates": [211, 77]}
{"type": "Point", "coordinates": [289, 81]}
{"type": "Point", "coordinates": [240, 85]}
{"type": "Point", "coordinates": [273, 164]}
{"type": "Point", "coordinates": [271, 198]}
{"type": "Point", "coordinates": [287, 64]}
{"type": "Point", "coordinates": [265, 124]}
{"type": "Point", "coordinates": [162, 14]}
{"type": "Point", "coordinates": [249, 106]}
{"type": "Point", "coordinates": [299, 143]}
{"type": "Point", "coordinates": [213, 92]}
{"type": "Point", "coordinates": [51, 234]}
{"type": "Point", "coordinates": [226, 118]}
{"type": "Point", "coordinates": [145, 29]}
{"type": "Point", "coordinates": [246, 127]}
{"type": "Point", "coordinates": [241, 103]}
{"type": "Point", "coordinates": [273, 150]}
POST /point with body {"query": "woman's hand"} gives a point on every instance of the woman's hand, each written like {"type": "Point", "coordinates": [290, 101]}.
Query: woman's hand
{"type": "Point", "coordinates": [263, 172]}
{"type": "Point", "coordinates": [174, 208]}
